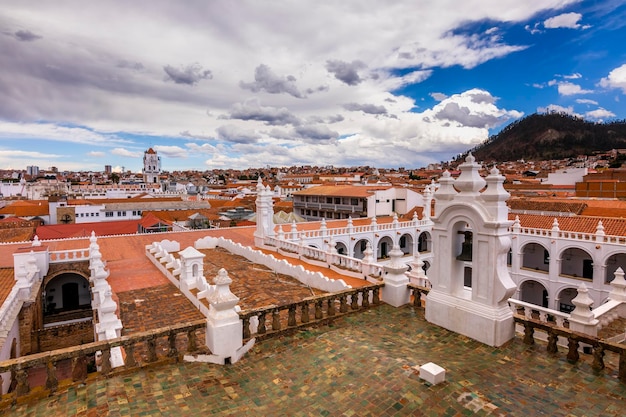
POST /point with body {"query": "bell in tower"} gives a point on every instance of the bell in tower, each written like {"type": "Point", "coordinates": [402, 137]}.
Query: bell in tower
{"type": "Point", "coordinates": [466, 247]}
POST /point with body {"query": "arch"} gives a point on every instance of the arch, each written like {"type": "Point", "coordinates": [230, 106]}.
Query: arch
{"type": "Point", "coordinates": [341, 247]}
{"type": "Point", "coordinates": [359, 248]}
{"type": "Point", "coordinates": [424, 242]}
{"type": "Point", "coordinates": [534, 292]}
{"type": "Point", "coordinates": [194, 270]}
{"type": "Point", "coordinates": [576, 262]}
{"type": "Point", "coordinates": [406, 244]}
{"type": "Point", "coordinates": [384, 246]}
{"type": "Point", "coordinates": [65, 292]}
{"type": "Point", "coordinates": [566, 295]}
{"type": "Point", "coordinates": [614, 261]}
{"type": "Point", "coordinates": [536, 257]}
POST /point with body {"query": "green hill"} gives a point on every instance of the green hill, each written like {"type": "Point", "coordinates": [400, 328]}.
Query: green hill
{"type": "Point", "coordinates": [551, 136]}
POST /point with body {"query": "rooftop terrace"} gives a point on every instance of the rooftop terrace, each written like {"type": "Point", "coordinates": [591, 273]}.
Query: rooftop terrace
{"type": "Point", "coordinates": [364, 364]}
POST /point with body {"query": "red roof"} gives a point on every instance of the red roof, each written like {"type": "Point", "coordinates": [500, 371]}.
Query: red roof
{"type": "Point", "coordinates": [61, 231]}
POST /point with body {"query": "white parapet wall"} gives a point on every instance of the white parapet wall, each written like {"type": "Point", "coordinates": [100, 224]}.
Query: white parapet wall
{"type": "Point", "coordinates": [312, 279]}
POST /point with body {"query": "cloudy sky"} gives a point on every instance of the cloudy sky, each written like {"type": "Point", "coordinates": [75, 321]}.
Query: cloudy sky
{"type": "Point", "coordinates": [237, 84]}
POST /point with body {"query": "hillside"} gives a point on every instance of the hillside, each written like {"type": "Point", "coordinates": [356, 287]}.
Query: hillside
{"type": "Point", "coordinates": [551, 136]}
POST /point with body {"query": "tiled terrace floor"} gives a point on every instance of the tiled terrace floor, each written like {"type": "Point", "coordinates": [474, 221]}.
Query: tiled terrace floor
{"type": "Point", "coordinates": [361, 366]}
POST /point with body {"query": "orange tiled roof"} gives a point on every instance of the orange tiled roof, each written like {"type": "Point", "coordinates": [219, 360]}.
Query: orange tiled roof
{"type": "Point", "coordinates": [7, 280]}
{"type": "Point", "coordinates": [61, 231]}
{"type": "Point", "coordinates": [341, 190]}
{"type": "Point", "coordinates": [575, 207]}
{"type": "Point", "coordinates": [26, 208]}
{"type": "Point", "coordinates": [582, 224]}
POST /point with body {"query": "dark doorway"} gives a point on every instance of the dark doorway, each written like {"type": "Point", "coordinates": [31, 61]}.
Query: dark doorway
{"type": "Point", "coordinates": [587, 268]}
{"type": "Point", "coordinates": [70, 296]}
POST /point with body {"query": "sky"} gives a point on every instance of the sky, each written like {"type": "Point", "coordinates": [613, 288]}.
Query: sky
{"type": "Point", "coordinates": [248, 84]}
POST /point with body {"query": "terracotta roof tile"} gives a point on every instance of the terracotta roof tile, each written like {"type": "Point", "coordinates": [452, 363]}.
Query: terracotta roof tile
{"type": "Point", "coordinates": [7, 280]}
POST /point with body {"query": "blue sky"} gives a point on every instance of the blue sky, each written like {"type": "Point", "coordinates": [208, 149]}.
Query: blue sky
{"type": "Point", "coordinates": [238, 84]}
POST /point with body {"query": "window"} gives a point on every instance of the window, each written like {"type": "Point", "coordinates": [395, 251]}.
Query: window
{"type": "Point", "coordinates": [108, 214]}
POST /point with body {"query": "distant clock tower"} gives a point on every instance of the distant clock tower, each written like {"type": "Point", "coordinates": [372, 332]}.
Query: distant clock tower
{"type": "Point", "coordinates": [151, 167]}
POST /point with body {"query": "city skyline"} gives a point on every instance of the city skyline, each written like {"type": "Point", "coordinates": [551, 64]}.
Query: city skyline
{"type": "Point", "coordinates": [238, 85]}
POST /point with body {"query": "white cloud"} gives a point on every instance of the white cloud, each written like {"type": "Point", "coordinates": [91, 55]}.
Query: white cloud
{"type": "Point", "coordinates": [586, 101]}
{"type": "Point", "coordinates": [615, 79]}
{"type": "Point", "coordinates": [126, 153]}
{"type": "Point", "coordinates": [438, 96]}
{"type": "Point", "coordinates": [569, 89]}
{"type": "Point", "coordinates": [573, 76]}
{"type": "Point", "coordinates": [555, 108]}
{"type": "Point", "coordinates": [565, 20]}
{"type": "Point", "coordinates": [599, 114]}
{"type": "Point", "coordinates": [96, 154]}
{"type": "Point", "coordinates": [172, 151]}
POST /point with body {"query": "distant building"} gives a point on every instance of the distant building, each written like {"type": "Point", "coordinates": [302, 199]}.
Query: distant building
{"type": "Point", "coordinates": [32, 170]}
{"type": "Point", "coordinates": [151, 166]}
{"type": "Point", "coordinates": [108, 170]}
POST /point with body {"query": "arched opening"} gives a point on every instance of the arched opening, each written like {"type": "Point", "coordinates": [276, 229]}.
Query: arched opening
{"type": "Point", "coordinates": [194, 270]}
{"type": "Point", "coordinates": [66, 297]}
{"type": "Point", "coordinates": [423, 242]}
{"type": "Point", "coordinates": [406, 243]}
{"type": "Point", "coordinates": [341, 248]}
{"type": "Point", "coordinates": [535, 257]}
{"type": "Point", "coordinates": [461, 251]}
{"type": "Point", "coordinates": [615, 261]}
{"type": "Point", "coordinates": [576, 263]}
{"type": "Point", "coordinates": [359, 248]}
{"type": "Point", "coordinates": [565, 300]}
{"type": "Point", "coordinates": [534, 292]}
{"type": "Point", "coordinates": [384, 247]}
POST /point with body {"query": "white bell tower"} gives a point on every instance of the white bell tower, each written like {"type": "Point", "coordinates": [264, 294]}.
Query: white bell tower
{"type": "Point", "coordinates": [151, 167]}
{"type": "Point", "coordinates": [469, 276]}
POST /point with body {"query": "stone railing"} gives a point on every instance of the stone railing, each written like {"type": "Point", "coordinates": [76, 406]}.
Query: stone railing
{"type": "Point", "coordinates": [264, 322]}
{"type": "Point", "coordinates": [542, 314]}
{"type": "Point", "coordinates": [71, 255]}
{"type": "Point", "coordinates": [314, 279]}
{"type": "Point", "coordinates": [416, 292]}
{"type": "Point", "coordinates": [142, 349]}
{"type": "Point", "coordinates": [355, 230]}
{"type": "Point", "coordinates": [599, 347]}
{"type": "Point", "coordinates": [608, 312]}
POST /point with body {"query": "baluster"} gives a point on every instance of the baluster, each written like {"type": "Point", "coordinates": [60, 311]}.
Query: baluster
{"type": "Point", "coordinates": [560, 321]}
{"type": "Point", "coordinates": [22, 382]}
{"type": "Point", "coordinates": [173, 351]}
{"type": "Point", "coordinates": [529, 331]}
{"type": "Point", "coordinates": [552, 343]}
{"type": "Point", "coordinates": [343, 307]}
{"type": "Point", "coordinates": [598, 358]}
{"type": "Point", "coordinates": [79, 371]}
{"type": "Point", "coordinates": [543, 316]}
{"type": "Point", "coordinates": [106, 361]}
{"type": "Point", "coordinates": [52, 382]}
{"type": "Point", "coordinates": [246, 328]}
{"type": "Point", "coordinates": [192, 341]}
{"type": "Point", "coordinates": [318, 310]}
{"type": "Point", "coordinates": [365, 303]}
{"type": "Point", "coordinates": [275, 320]}
{"type": "Point", "coordinates": [1, 385]}
{"type": "Point", "coordinates": [376, 296]}
{"type": "Point", "coordinates": [572, 353]}
{"type": "Point", "coordinates": [130, 355]}
{"type": "Point", "coordinates": [331, 307]}
{"type": "Point", "coordinates": [261, 328]}
{"type": "Point", "coordinates": [304, 316]}
{"type": "Point", "coordinates": [417, 298]}
{"type": "Point", "coordinates": [528, 312]}
{"type": "Point", "coordinates": [152, 355]}
{"type": "Point", "coordinates": [354, 305]}
{"type": "Point", "coordinates": [291, 319]}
